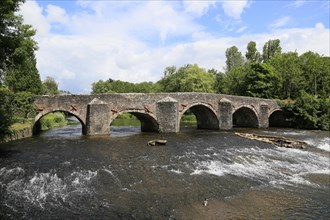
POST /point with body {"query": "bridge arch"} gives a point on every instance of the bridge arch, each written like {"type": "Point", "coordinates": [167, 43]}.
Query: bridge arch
{"type": "Point", "coordinates": [279, 118]}
{"type": "Point", "coordinates": [245, 116]}
{"type": "Point", "coordinates": [205, 114]}
{"type": "Point", "coordinates": [37, 126]}
{"type": "Point", "coordinates": [148, 121]}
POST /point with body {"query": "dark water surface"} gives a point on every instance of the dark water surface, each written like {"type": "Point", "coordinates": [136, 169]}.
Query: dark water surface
{"type": "Point", "coordinates": [64, 175]}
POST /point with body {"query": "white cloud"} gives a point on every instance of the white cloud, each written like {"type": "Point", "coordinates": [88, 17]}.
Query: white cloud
{"type": "Point", "coordinates": [56, 14]}
{"type": "Point", "coordinates": [235, 8]}
{"type": "Point", "coordinates": [120, 42]}
{"type": "Point", "coordinates": [198, 8]}
{"type": "Point", "coordinates": [241, 29]}
{"type": "Point", "coordinates": [298, 3]}
{"type": "Point", "coordinates": [33, 15]}
{"type": "Point", "coordinates": [281, 22]}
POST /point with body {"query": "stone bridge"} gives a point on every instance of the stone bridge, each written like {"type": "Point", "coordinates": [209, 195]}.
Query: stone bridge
{"type": "Point", "coordinates": [161, 112]}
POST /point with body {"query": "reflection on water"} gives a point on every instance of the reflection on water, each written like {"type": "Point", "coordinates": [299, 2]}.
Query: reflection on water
{"type": "Point", "coordinates": [62, 174]}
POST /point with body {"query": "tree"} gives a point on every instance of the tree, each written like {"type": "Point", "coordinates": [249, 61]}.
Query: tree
{"type": "Point", "coordinates": [170, 70]}
{"type": "Point", "coordinates": [262, 81]}
{"type": "Point", "coordinates": [271, 48]}
{"type": "Point", "coordinates": [6, 112]}
{"type": "Point", "coordinates": [252, 54]}
{"type": "Point", "coordinates": [50, 86]}
{"type": "Point", "coordinates": [189, 78]}
{"type": "Point", "coordinates": [316, 72]}
{"type": "Point", "coordinates": [234, 81]}
{"type": "Point", "coordinates": [234, 58]}
{"type": "Point", "coordinates": [8, 32]}
{"type": "Point", "coordinates": [288, 68]}
{"type": "Point", "coordinates": [101, 87]}
{"type": "Point", "coordinates": [219, 84]}
{"type": "Point", "coordinates": [20, 72]}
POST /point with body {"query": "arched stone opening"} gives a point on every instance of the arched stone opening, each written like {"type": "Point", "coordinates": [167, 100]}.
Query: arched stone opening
{"type": "Point", "coordinates": [148, 122]}
{"type": "Point", "coordinates": [280, 118]}
{"type": "Point", "coordinates": [245, 117]}
{"type": "Point", "coordinates": [37, 127]}
{"type": "Point", "coordinates": [205, 116]}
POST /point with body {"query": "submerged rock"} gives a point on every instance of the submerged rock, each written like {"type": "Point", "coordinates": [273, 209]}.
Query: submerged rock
{"type": "Point", "coordinates": [156, 142]}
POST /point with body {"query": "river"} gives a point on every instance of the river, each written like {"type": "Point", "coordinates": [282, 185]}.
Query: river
{"type": "Point", "coordinates": [62, 174]}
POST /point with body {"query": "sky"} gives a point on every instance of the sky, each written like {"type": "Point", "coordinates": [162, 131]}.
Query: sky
{"type": "Point", "coordinates": [81, 42]}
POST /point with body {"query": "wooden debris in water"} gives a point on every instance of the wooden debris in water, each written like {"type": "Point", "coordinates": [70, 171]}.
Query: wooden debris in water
{"type": "Point", "coordinates": [277, 141]}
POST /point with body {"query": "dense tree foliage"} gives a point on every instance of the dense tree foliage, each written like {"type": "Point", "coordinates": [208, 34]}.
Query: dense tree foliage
{"type": "Point", "coordinates": [6, 112]}
{"type": "Point", "coordinates": [252, 54]}
{"type": "Point", "coordinates": [8, 29]}
{"type": "Point", "coordinates": [262, 80]}
{"type": "Point", "coordinates": [234, 58]}
{"type": "Point", "coordinates": [50, 86]}
{"type": "Point", "coordinates": [189, 78]}
{"type": "Point", "coordinates": [18, 62]}
{"type": "Point", "coordinates": [310, 112]}
{"type": "Point", "coordinates": [303, 78]}
{"type": "Point", "coordinates": [118, 86]}
{"type": "Point", "coordinates": [270, 49]}
{"type": "Point", "coordinates": [19, 77]}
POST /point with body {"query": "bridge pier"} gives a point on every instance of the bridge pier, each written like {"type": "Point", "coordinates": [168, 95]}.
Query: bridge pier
{"type": "Point", "coordinates": [97, 118]}
{"type": "Point", "coordinates": [226, 117]}
{"type": "Point", "coordinates": [263, 115]}
{"type": "Point", "coordinates": [168, 115]}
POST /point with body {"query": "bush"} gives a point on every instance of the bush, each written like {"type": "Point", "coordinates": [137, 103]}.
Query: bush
{"type": "Point", "coordinates": [51, 120]}
{"type": "Point", "coordinates": [310, 112]}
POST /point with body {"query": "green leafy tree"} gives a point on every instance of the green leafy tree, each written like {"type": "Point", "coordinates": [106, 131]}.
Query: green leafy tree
{"type": "Point", "coordinates": [287, 66]}
{"type": "Point", "coordinates": [252, 54]}
{"type": "Point", "coordinates": [23, 104]}
{"type": "Point", "coordinates": [170, 70]}
{"type": "Point", "coordinates": [235, 81]}
{"type": "Point", "coordinates": [50, 86]}
{"type": "Point", "coordinates": [8, 32]}
{"type": "Point", "coordinates": [21, 73]}
{"type": "Point", "coordinates": [6, 112]}
{"type": "Point", "coordinates": [189, 78]}
{"type": "Point", "coordinates": [234, 58]}
{"type": "Point", "coordinates": [262, 81]}
{"type": "Point", "coordinates": [316, 73]}
{"type": "Point", "coordinates": [118, 86]}
{"type": "Point", "coordinates": [145, 87]}
{"type": "Point", "coordinates": [271, 48]}
{"type": "Point", "coordinates": [100, 87]}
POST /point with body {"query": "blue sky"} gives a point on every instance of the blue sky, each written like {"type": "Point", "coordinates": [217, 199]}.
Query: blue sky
{"type": "Point", "coordinates": [81, 42]}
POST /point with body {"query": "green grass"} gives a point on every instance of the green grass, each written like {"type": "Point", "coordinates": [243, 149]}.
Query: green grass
{"type": "Point", "coordinates": [21, 123]}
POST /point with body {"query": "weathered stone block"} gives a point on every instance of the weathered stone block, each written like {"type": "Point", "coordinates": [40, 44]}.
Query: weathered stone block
{"type": "Point", "coordinates": [225, 117]}
{"type": "Point", "coordinates": [263, 115]}
{"type": "Point", "coordinates": [167, 115]}
{"type": "Point", "coordinates": [97, 118]}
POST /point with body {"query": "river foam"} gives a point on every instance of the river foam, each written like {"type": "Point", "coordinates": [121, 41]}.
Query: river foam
{"type": "Point", "coordinates": [270, 166]}
{"type": "Point", "coordinates": [39, 188]}
{"type": "Point", "coordinates": [321, 143]}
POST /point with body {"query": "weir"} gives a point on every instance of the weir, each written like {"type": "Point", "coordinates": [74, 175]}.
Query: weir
{"type": "Point", "coordinates": [160, 112]}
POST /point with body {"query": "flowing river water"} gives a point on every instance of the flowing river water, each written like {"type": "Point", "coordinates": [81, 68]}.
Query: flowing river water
{"type": "Point", "coordinates": [62, 174]}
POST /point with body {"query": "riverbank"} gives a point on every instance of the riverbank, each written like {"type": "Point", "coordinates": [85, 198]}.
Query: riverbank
{"type": "Point", "coordinates": [20, 130]}
{"type": "Point", "coordinates": [23, 127]}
